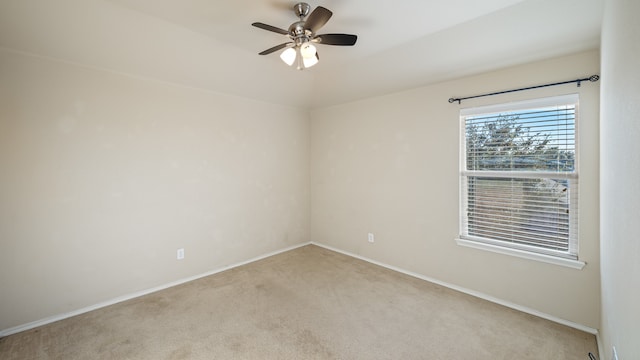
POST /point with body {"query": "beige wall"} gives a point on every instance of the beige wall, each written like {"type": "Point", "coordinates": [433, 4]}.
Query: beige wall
{"type": "Point", "coordinates": [620, 189]}
{"type": "Point", "coordinates": [389, 165]}
{"type": "Point", "coordinates": [104, 176]}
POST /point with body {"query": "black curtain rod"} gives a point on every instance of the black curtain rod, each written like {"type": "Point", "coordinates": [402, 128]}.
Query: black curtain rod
{"type": "Point", "coordinates": [592, 78]}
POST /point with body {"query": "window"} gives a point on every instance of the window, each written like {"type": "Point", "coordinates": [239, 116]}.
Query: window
{"type": "Point", "coordinates": [519, 176]}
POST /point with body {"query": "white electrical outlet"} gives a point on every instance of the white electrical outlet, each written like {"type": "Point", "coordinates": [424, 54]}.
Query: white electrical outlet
{"type": "Point", "coordinates": [615, 354]}
{"type": "Point", "coordinates": [180, 254]}
{"type": "Point", "coordinates": [371, 238]}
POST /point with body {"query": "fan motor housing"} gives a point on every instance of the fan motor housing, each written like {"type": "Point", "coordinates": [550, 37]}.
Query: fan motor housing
{"type": "Point", "coordinates": [297, 29]}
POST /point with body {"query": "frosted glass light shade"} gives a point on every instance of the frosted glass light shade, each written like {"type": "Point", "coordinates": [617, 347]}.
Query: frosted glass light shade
{"type": "Point", "coordinates": [307, 50]}
{"type": "Point", "coordinates": [309, 62]}
{"type": "Point", "coordinates": [288, 56]}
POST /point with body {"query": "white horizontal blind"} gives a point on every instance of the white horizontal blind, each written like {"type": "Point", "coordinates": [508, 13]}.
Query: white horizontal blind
{"type": "Point", "coordinates": [519, 180]}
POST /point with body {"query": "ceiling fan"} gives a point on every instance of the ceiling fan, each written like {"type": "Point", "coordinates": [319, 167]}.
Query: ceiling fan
{"type": "Point", "coordinates": [302, 34]}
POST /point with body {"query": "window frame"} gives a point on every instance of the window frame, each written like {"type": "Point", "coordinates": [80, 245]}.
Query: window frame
{"type": "Point", "coordinates": [571, 256]}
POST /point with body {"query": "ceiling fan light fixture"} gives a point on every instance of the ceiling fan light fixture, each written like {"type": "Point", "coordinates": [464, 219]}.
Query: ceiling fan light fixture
{"type": "Point", "coordinates": [288, 56]}
{"type": "Point", "coordinates": [302, 35]}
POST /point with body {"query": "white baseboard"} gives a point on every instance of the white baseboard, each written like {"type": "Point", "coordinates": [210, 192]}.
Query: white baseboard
{"type": "Point", "coordinates": [600, 347]}
{"type": "Point", "coordinates": [54, 318]}
{"type": "Point", "coordinates": [48, 320]}
{"type": "Point", "coordinates": [468, 291]}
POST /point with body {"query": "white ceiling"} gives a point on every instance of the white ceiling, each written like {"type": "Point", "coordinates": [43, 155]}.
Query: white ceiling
{"type": "Point", "coordinates": [210, 44]}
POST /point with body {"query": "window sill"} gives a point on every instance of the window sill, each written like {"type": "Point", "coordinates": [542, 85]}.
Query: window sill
{"type": "Point", "coordinates": [574, 264]}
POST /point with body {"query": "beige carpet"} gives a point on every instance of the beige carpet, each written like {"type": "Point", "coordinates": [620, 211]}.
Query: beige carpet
{"type": "Point", "coordinates": [309, 303]}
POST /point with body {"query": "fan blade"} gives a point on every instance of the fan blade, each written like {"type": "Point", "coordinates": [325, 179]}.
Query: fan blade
{"type": "Point", "coordinates": [336, 39]}
{"type": "Point", "coordinates": [275, 48]}
{"type": "Point", "coordinates": [318, 17]}
{"type": "Point", "coordinates": [270, 28]}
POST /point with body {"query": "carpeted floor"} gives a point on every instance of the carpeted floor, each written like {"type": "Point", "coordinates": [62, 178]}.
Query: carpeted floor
{"type": "Point", "coordinates": [309, 303]}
